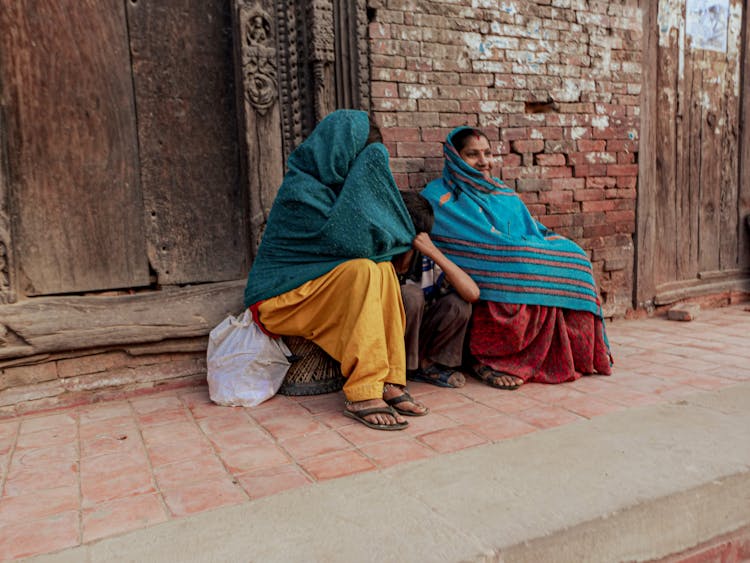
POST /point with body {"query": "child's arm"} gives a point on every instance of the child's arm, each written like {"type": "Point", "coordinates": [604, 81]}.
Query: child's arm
{"type": "Point", "coordinates": [460, 280]}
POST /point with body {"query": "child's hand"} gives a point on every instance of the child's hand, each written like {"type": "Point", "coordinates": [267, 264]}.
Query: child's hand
{"type": "Point", "coordinates": [424, 244]}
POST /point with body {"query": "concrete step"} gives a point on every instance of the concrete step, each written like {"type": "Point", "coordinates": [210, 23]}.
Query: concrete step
{"type": "Point", "coordinates": [635, 485]}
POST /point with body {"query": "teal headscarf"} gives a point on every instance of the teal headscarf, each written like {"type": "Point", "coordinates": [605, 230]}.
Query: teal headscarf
{"type": "Point", "coordinates": [338, 202]}
{"type": "Point", "coordinates": [486, 229]}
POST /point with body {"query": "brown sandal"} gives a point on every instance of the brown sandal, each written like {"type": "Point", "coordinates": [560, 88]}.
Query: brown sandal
{"type": "Point", "coordinates": [492, 377]}
{"type": "Point", "coordinates": [362, 413]}
{"type": "Point", "coordinates": [405, 397]}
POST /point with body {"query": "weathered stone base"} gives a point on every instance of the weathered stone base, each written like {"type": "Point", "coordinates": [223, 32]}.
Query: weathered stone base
{"type": "Point", "coordinates": [94, 377]}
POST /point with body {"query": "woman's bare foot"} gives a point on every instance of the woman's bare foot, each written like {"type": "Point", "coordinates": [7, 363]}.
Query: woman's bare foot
{"type": "Point", "coordinates": [497, 379]}
{"type": "Point", "coordinates": [398, 398]}
{"type": "Point", "coordinates": [380, 415]}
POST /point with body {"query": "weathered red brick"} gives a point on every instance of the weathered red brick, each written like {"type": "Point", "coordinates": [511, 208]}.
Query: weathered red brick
{"type": "Point", "coordinates": [587, 145]}
{"type": "Point", "coordinates": [556, 208]}
{"type": "Point", "coordinates": [448, 106]}
{"type": "Point", "coordinates": [588, 195]}
{"type": "Point", "coordinates": [601, 182]}
{"type": "Point", "coordinates": [537, 210]}
{"type": "Point", "coordinates": [578, 158]}
{"type": "Point", "coordinates": [533, 184]}
{"type": "Point", "coordinates": [599, 205]}
{"type": "Point", "coordinates": [622, 170]}
{"type": "Point", "coordinates": [435, 134]}
{"type": "Point", "coordinates": [546, 133]}
{"type": "Point", "coordinates": [380, 30]}
{"type": "Point", "coordinates": [400, 134]}
{"type": "Point", "coordinates": [568, 184]}
{"type": "Point", "coordinates": [555, 221]}
{"type": "Point", "coordinates": [598, 230]}
{"type": "Point", "coordinates": [585, 170]}
{"type": "Point", "coordinates": [524, 146]}
{"type": "Point", "coordinates": [627, 181]}
{"type": "Point", "coordinates": [621, 216]}
{"type": "Point", "coordinates": [550, 159]}
{"type": "Point", "coordinates": [514, 133]}
{"type": "Point", "coordinates": [555, 172]}
{"type": "Point", "coordinates": [509, 160]}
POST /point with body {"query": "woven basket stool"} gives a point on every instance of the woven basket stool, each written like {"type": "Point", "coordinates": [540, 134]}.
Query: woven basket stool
{"type": "Point", "coordinates": [313, 372]}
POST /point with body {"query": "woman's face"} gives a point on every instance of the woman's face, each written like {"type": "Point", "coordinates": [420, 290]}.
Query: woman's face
{"type": "Point", "coordinates": [478, 154]}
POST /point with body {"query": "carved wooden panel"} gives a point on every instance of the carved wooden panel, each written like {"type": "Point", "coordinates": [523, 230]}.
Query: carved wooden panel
{"type": "Point", "coordinates": [297, 61]}
{"type": "Point", "coordinates": [72, 148]}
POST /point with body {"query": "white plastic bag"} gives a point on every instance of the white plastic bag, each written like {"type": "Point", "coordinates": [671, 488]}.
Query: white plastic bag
{"type": "Point", "coordinates": [245, 365]}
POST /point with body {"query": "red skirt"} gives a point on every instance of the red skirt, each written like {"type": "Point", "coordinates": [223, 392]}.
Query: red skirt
{"type": "Point", "coordinates": [536, 343]}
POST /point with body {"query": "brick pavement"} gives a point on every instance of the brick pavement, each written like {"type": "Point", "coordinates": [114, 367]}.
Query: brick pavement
{"type": "Point", "coordinates": [79, 474]}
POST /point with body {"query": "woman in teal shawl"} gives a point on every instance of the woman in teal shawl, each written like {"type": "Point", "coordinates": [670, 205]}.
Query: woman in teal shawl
{"type": "Point", "coordinates": [323, 268]}
{"type": "Point", "coordinates": [539, 318]}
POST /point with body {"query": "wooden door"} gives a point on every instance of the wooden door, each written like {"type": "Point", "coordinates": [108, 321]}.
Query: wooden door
{"type": "Point", "coordinates": [122, 145]}
{"type": "Point", "coordinates": [691, 209]}
{"type": "Point", "coordinates": [73, 153]}
{"type": "Point", "coordinates": [194, 205]}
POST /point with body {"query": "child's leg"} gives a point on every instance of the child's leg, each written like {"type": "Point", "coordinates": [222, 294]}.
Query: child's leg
{"type": "Point", "coordinates": [444, 329]}
{"type": "Point", "coordinates": [413, 298]}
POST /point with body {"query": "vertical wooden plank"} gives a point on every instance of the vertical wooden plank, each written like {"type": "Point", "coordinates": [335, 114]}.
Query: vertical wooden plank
{"type": "Point", "coordinates": [72, 150]}
{"type": "Point", "coordinates": [743, 199]}
{"type": "Point", "coordinates": [729, 223]}
{"type": "Point", "coordinates": [688, 245]}
{"type": "Point", "coordinates": [669, 83]}
{"type": "Point", "coordinates": [187, 128]}
{"type": "Point", "coordinates": [645, 287]}
{"type": "Point", "coordinates": [709, 172]}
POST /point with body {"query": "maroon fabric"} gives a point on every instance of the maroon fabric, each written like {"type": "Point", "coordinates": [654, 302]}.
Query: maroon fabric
{"type": "Point", "coordinates": [537, 343]}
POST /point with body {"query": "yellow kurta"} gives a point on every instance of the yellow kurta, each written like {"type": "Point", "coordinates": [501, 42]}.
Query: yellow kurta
{"type": "Point", "coordinates": [356, 315]}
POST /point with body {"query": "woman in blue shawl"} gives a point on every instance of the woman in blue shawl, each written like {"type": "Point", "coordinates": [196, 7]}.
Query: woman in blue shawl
{"type": "Point", "coordinates": [323, 268]}
{"type": "Point", "coordinates": [539, 318]}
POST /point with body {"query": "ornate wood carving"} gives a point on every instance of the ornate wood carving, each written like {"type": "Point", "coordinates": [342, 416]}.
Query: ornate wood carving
{"type": "Point", "coordinates": [255, 33]}
{"type": "Point", "coordinates": [258, 59]}
{"type": "Point", "coordinates": [298, 60]}
{"type": "Point", "coordinates": [322, 57]}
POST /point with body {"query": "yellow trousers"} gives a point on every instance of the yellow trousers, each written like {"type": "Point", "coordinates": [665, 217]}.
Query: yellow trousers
{"type": "Point", "coordinates": [356, 315]}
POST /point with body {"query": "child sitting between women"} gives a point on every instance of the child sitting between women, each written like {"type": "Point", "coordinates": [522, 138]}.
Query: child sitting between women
{"type": "Point", "coordinates": [437, 297]}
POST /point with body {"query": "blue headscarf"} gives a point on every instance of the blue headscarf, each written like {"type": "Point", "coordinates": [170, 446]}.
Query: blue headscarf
{"type": "Point", "coordinates": [338, 201]}
{"type": "Point", "coordinates": [486, 229]}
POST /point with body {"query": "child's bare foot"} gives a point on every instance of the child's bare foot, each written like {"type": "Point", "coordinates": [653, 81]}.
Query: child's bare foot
{"type": "Point", "coordinates": [497, 379]}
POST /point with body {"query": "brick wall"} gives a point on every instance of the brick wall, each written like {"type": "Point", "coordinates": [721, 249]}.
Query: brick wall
{"type": "Point", "coordinates": [554, 83]}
